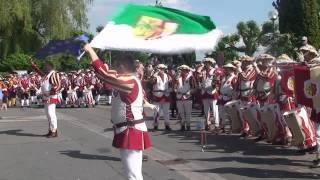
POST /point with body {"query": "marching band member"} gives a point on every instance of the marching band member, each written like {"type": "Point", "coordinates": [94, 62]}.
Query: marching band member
{"type": "Point", "coordinates": [72, 90]}
{"type": "Point", "coordinates": [311, 56]}
{"type": "Point", "coordinates": [265, 92]}
{"type": "Point", "coordinates": [50, 86]}
{"type": "Point", "coordinates": [33, 89]}
{"type": "Point", "coordinates": [161, 96]}
{"type": "Point", "coordinates": [209, 91]}
{"type": "Point", "coordinates": [285, 91]}
{"type": "Point", "coordinates": [184, 87]}
{"type": "Point", "coordinates": [227, 91]}
{"type": "Point", "coordinates": [87, 92]}
{"type": "Point", "coordinates": [25, 88]}
{"type": "Point", "coordinates": [64, 90]}
{"type": "Point", "coordinates": [246, 78]}
{"type": "Point", "coordinates": [131, 135]}
{"type": "Point", "coordinates": [80, 82]}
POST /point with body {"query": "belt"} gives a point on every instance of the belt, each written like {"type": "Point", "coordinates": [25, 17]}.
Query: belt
{"type": "Point", "coordinates": [129, 123]}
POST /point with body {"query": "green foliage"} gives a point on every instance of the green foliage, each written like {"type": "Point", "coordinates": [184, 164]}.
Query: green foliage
{"type": "Point", "coordinates": [250, 34]}
{"type": "Point", "coordinates": [300, 18]}
{"type": "Point", "coordinates": [25, 25]}
{"type": "Point", "coordinates": [15, 62]}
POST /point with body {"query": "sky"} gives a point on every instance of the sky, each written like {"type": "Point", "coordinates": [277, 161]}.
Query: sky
{"type": "Point", "coordinates": [225, 13]}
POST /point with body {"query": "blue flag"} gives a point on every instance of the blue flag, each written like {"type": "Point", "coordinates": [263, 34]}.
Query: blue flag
{"type": "Point", "coordinates": [71, 46]}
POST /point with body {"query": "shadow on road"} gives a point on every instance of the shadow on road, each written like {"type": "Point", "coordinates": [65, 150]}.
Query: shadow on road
{"type": "Point", "coordinates": [77, 154]}
{"type": "Point", "coordinates": [19, 132]}
{"type": "Point", "coordinates": [231, 144]}
{"type": "Point", "coordinates": [262, 173]}
{"type": "Point", "coordinates": [257, 161]}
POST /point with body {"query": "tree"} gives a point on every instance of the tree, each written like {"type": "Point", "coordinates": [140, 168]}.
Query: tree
{"type": "Point", "coordinates": [25, 25]}
{"type": "Point", "coordinates": [300, 18]}
{"type": "Point", "coordinates": [246, 40]}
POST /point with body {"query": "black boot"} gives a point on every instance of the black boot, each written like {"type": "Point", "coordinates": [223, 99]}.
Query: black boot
{"type": "Point", "coordinates": [188, 128]}
{"type": "Point", "coordinates": [183, 128]}
{"type": "Point", "coordinates": [155, 128]}
{"type": "Point", "coordinates": [244, 135]}
{"type": "Point", "coordinates": [168, 128]}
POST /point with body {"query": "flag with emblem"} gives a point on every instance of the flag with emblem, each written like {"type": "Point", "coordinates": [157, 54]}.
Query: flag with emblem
{"type": "Point", "coordinates": [157, 30]}
{"type": "Point", "coordinates": [71, 46]}
{"type": "Point", "coordinates": [307, 86]}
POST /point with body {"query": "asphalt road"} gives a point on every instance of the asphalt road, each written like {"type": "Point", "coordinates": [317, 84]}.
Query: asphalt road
{"type": "Point", "coordinates": [83, 151]}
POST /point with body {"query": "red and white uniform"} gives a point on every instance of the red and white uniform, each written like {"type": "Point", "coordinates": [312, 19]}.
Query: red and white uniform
{"type": "Point", "coordinates": [25, 85]}
{"type": "Point", "coordinates": [227, 92]}
{"type": "Point", "coordinates": [246, 81]}
{"type": "Point", "coordinates": [184, 97]}
{"type": "Point", "coordinates": [131, 136]}
{"type": "Point", "coordinates": [265, 85]}
{"type": "Point", "coordinates": [210, 94]}
{"type": "Point", "coordinates": [72, 91]}
{"type": "Point", "coordinates": [161, 97]}
{"type": "Point", "coordinates": [50, 85]}
{"type": "Point", "coordinates": [87, 92]}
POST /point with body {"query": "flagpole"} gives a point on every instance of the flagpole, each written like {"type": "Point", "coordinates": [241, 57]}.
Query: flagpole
{"type": "Point", "coordinates": [80, 56]}
{"type": "Point", "coordinates": [110, 64]}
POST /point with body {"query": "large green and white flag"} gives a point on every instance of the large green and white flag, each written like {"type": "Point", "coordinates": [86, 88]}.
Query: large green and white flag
{"type": "Point", "coordinates": [157, 30]}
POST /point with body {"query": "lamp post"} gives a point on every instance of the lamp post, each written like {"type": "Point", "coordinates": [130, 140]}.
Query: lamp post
{"type": "Point", "coordinates": [273, 16]}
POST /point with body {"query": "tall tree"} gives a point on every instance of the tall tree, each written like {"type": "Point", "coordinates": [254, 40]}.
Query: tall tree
{"type": "Point", "coordinates": [26, 24]}
{"type": "Point", "coordinates": [246, 40]}
{"type": "Point", "coordinates": [300, 17]}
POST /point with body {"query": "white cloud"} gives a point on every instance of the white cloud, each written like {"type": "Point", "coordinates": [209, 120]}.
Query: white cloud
{"type": "Point", "coordinates": [179, 4]}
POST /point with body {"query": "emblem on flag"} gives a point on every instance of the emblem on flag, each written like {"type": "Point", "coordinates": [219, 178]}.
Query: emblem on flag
{"type": "Point", "coordinates": [153, 28]}
{"type": "Point", "coordinates": [311, 88]}
{"type": "Point", "coordinates": [290, 83]}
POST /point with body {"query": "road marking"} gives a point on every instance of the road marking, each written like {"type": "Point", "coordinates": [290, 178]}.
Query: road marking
{"type": "Point", "coordinates": [187, 170]}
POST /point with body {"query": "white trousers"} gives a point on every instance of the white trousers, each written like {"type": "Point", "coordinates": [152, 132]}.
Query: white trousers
{"type": "Point", "coordinates": [211, 104]}
{"type": "Point", "coordinates": [185, 109]}
{"type": "Point", "coordinates": [50, 110]}
{"type": "Point", "coordinates": [164, 108]}
{"type": "Point", "coordinates": [132, 162]}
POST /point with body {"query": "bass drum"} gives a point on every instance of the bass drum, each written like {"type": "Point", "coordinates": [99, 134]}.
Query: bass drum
{"type": "Point", "coordinates": [250, 113]}
{"type": "Point", "coordinates": [303, 133]}
{"type": "Point", "coordinates": [231, 109]}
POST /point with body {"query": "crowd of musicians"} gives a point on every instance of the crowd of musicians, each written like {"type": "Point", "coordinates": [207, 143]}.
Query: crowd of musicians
{"type": "Point", "coordinates": [254, 94]}
{"type": "Point", "coordinates": [78, 89]}
{"type": "Point", "coordinates": [249, 93]}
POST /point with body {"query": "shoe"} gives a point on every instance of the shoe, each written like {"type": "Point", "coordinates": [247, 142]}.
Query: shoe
{"type": "Point", "coordinates": [145, 158]}
{"type": "Point", "coordinates": [260, 138]}
{"type": "Point", "coordinates": [315, 163]}
{"type": "Point", "coordinates": [300, 152]}
{"type": "Point", "coordinates": [168, 128]}
{"type": "Point", "coordinates": [312, 150]}
{"type": "Point", "coordinates": [183, 128]}
{"type": "Point", "coordinates": [188, 128]}
{"type": "Point", "coordinates": [48, 134]}
{"type": "Point", "coordinates": [155, 128]}
{"type": "Point", "coordinates": [220, 130]}
{"type": "Point", "coordinates": [208, 128]}
{"type": "Point", "coordinates": [53, 135]}
{"type": "Point", "coordinates": [244, 135]}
